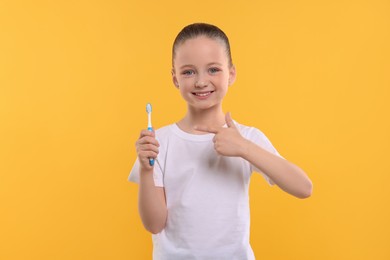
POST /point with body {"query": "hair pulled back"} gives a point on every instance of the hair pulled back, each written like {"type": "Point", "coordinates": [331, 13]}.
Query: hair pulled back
{"type": "Point", "coordinates": [201, 29]}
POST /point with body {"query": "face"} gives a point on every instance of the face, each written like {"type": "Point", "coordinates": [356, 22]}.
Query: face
{"type": "Point", "coordinates": [202, 73]}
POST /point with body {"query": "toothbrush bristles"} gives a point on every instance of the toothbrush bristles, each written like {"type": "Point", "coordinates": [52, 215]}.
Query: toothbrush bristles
{"type": "Point", "coordinates": [148, 108]}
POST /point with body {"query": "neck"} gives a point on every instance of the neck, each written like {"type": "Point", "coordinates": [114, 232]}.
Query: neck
{"type": "Point", "coordinates": [211, 117]}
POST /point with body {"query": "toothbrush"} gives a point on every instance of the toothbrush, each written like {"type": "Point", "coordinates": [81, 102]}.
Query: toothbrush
{"type": "Point", "coordinates": [150, 128]}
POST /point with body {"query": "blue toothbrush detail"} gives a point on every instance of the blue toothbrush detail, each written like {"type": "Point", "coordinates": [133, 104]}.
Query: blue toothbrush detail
{"type": "Point", "coordinates": [150, 128]}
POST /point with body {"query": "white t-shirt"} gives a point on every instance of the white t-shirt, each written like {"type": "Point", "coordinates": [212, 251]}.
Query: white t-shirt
{"type": "Point", "coordinates": [206, 195]}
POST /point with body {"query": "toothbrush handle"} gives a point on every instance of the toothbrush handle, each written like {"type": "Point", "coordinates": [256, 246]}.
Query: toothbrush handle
{"type": "Point", "coordinates": [151, 160]}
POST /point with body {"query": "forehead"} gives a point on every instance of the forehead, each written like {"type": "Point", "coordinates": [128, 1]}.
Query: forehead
{"type": "Point", "coordinates": [201, 50]}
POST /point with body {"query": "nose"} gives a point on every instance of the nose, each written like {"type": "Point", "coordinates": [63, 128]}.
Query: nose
{"type": "Point", "coordinates": [201, 82]}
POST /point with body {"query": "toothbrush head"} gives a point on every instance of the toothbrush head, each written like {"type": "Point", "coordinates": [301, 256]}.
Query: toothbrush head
{"type": "Point", "coordinates": [149, 108]}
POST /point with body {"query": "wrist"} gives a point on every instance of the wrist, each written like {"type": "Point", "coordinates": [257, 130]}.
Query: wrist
{"type": "Point", "coordinates": [245, 148]}
{"type": "Point", "coordinates": [146, 171]}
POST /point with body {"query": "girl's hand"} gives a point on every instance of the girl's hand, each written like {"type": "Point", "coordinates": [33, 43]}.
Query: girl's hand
{"type": "Point", "coordinates": [147, 147]}
{"type": "Point", "coordinates": [227, 141]}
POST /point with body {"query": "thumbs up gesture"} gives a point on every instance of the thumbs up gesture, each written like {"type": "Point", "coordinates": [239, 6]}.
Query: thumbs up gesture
{"type": "Point", "coordinates": [227, 141]}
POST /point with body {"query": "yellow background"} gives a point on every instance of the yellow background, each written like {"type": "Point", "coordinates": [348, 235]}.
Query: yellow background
{"type": "Point", "coordinates": [74, 80]}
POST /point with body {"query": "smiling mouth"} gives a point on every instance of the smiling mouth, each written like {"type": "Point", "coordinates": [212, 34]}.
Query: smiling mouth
{"type": "Point", "coordinates": [202, 94]}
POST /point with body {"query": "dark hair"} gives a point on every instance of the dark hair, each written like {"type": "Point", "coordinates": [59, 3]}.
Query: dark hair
{"type": "Point", "coordinates": [201, 29]}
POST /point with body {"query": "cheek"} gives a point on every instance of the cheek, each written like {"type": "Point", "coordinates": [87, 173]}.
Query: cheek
{"type": "Point", "coordinates": [186, 82]}
{"type": "Point", "coordinates": [184, 90]}
{"type": "Point", "coordinates": [223, 81]}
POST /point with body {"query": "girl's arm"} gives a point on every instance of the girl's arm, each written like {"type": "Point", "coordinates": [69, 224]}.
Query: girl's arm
{"type": "Point", "coordinates": [289, 177]}
{"type": "Point", "coordinates": [151, 199]}
{"type": "Point", "coordinates": [286, 175]}
{"type": "Point", "coordinates": [151, 203]}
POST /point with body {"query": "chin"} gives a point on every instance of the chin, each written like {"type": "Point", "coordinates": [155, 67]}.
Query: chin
{"type": "Point", "coordinates": [203, 106]}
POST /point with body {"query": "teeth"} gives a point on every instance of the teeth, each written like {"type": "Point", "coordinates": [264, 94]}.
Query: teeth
{"type": "Point", "coordinates": [203, 94]}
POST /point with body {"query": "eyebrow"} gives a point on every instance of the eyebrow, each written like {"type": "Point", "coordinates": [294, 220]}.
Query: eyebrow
{"type": "Point", "coordinates": [211, 63]}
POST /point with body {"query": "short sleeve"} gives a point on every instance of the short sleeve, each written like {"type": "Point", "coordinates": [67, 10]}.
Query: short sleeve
{"type": "Point", "coordinates": [157, 173]}
{"type": "Point", "coordinates": [259, 138]}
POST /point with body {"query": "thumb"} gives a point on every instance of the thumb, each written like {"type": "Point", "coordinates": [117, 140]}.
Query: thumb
{"type": "Point", "coordinates": [229, 120]}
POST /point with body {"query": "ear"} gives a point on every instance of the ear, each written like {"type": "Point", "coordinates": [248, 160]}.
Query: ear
{"type": "Point", "coordinates": [174, 79]}
{"type": "Point", "coordinates": [232, 75]}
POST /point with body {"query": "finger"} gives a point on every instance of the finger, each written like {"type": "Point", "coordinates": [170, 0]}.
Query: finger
{"type": "Point", "coordinates": [229, 120]}
{"type": "Point", "coordinates": [141, 144]}
{"type": "Point", "coordinates": [147, 154]}
{"type": "Point", "coordinates": [145, 132]}
{"type": "Point", "coordinates": [206, 129]}
{"type": "Point", "coordinates": [148, 147]}
{"type": "Point", "coordinates": [148, 140]}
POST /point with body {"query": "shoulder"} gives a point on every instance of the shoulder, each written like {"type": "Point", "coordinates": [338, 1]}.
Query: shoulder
{"type": "Point", "coordinates": [163, 133]}
{"type": "Point", "coordinates": [250, 132]}
{"type": "Point", "coordinates": [164, 130]}
{"type": "Point", "coordinates": [257, 136]}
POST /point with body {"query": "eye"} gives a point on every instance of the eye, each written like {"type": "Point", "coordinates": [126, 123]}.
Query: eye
{"type": "Point", "coordinates": [214, 70]}
{"type": "Point", "coordinates": [188, 72]}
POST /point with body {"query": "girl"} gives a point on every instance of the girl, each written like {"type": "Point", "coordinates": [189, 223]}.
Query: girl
{"type": "Point", "coordinates": [194, 200]}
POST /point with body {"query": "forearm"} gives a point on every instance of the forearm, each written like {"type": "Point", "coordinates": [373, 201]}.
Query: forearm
{"type": "Point", "coordinates": [286, 175]}
{"type": "Point", "coordinates": [151, 204]}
